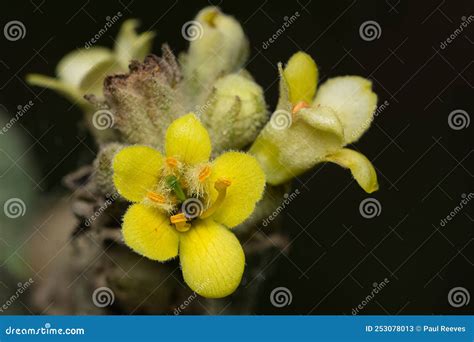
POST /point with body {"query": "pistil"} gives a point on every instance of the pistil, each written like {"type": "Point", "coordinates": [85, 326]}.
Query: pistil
{"type": "Point", "coordinates": [174, 184]}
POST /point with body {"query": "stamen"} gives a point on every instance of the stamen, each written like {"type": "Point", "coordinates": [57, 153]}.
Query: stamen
{"type": "Point", "coordinates": [180, 223]}
{"type": "Point", "coordinates": [205, 173]}
{"type": "Point", "coordinates": [300, 105]}
{"type": "Point", "coordinates": [153, 196]}
{"type": "Point", "coordinates": [221, 186]}
{"type": "Point", "coordinates": [178, 218]}
{"type": "Point", "coordinates": [173, 183]}
{"type": "Point", "coordinates": [171, 162]}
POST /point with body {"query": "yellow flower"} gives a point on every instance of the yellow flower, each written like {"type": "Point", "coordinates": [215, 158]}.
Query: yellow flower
{"type": "Point", "coordinates": [307, 129]}
{"type": "Point", "coordinates": [83, 71]}
{"type": "Point", "coordinates": [184, 205]}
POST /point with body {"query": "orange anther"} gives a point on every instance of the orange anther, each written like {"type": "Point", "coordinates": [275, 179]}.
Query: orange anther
{"type": "Point", "coordinates": [205, 173]}
{"type": "Point", "coordinates": [178, 218]}
{"type": "Point", "coordinates": [222, 183]}
{"type": "Point", "coordinates": [171, 162]}
{"type": "Point", "coordinates": [300, 105]}
{"type": "Point", "coordinates": [153, 196]}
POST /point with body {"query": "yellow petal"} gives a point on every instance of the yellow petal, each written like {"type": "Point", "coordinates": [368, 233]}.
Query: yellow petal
{"type": "Point", "coordinates": [301, 75]}
{"type": "Point", "coordinates": [188, 140]}
{"type": "Point", "coordinates": [93, 81]}
{"type": "Point", "coordinates": [246, 188]}
{"type": "Point", "coordinates": [70, 92]}
{"type": "Point", "coordinates": [288, 147]}
{"type": "Point", "coordinates": [136, 171]}
{"type": "Point", "coordinates": [130, 45]}
{"type": "Point", "coordinates": [148, 232]}
{"type": "Point", "coordinates": [74, 66]}
{"type": "Point", "coordinates": [361, 168]}
{"type": "Point", "coordinates": [212, 259]}
{"type": "Point", "coordinates": [354, 102]}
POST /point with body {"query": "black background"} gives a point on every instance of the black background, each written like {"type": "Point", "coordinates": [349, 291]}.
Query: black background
{"type": "Point", "coordinates": [423, 165]}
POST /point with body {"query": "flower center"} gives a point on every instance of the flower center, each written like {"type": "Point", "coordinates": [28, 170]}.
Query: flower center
{"type": "Point", "coordinates": [182, 220]}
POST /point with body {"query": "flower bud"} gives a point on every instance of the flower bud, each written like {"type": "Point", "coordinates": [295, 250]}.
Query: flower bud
{"type": "Point", "coordinates": [218, 47]}
{"type": "Point", "coordinates": [103, 171]}
{"type": "Point", "coordinates": [234, 113]}
{"type": "Point", "coordinates": [146, 100]}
